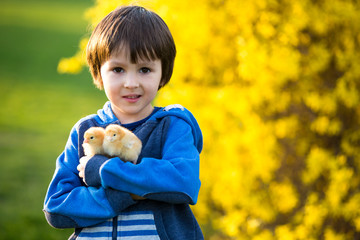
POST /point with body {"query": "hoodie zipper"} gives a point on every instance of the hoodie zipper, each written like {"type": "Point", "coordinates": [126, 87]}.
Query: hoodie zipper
{"type": "Point", "coordinates": [114, 231]}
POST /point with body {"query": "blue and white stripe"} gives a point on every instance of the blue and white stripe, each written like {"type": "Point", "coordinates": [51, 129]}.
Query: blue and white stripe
{"type": "Point", "coordinates": [102, 231]}
{"type": "Point", "coordinates": [137, 225]}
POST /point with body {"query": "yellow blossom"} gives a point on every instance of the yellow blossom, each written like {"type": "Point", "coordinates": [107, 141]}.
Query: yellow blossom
{"type": "Point", "coordinates": [275, 89]}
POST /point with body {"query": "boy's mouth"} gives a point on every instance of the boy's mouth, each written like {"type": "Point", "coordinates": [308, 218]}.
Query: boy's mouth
{"type": "Point", "coordinates": [132, 97]}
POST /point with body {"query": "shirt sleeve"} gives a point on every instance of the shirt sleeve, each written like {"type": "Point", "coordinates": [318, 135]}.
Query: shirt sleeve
{"type": "Point", "coordinates": [70, 203]}
{"type": "Point", "coordinates": [174, 178]}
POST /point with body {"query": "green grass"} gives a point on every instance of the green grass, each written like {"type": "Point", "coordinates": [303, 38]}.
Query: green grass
{"type": "Point", "coordinates": [38, 107]}
{"type": "Point", "coordinates": [45, 15]}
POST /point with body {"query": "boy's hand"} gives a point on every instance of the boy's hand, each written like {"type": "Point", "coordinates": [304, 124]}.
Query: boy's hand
{"type": "Point", "coordinates": [136, 197]}
{"type": "Point", "coordinates": [81, 166]}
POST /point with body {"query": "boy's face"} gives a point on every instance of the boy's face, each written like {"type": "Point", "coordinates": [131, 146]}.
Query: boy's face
{"type": "Point", "coordinates": [130, 87]}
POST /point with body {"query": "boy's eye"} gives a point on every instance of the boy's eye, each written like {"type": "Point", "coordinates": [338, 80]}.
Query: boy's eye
{"type": "Point", "coordinates": [145, 70]}
{"type": "Point", "coordinates": [118, 70]}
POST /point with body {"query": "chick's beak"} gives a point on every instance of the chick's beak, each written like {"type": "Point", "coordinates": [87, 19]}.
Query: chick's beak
{"type": "Point", "coordinates": [86, 140]}
{"type": "Point", "coordinates": [108, 138]}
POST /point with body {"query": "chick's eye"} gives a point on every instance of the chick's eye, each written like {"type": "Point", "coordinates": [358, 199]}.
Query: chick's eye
{"type": "Point", "coordinates": [145, 70]}
{"type": "Point", "coordinates": [114, 135]}
{"type": "Point", "coordinates": [92, 137]}
{"type": "Point", "coordinates": [118, 70]}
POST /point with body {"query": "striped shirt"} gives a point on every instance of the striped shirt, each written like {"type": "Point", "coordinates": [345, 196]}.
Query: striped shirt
{"type": "Point", "coordinates": [137, 225]}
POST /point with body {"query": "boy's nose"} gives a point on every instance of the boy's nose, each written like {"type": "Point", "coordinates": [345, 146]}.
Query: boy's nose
{"type": "Point", "coordinates": [131, 81]}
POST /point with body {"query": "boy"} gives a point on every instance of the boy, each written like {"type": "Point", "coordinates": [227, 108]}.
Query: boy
{"type": "Point", "coordinates": [131, 55]}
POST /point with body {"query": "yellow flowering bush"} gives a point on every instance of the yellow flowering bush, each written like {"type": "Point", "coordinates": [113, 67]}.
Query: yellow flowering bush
{"type": "Point", "coordinates": [275, 87]}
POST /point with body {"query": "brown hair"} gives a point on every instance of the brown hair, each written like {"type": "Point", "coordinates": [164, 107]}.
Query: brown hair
{"type": "Point", "coordinates": [144, 33]}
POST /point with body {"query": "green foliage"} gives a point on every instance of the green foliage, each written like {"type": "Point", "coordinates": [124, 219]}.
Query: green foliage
{"type": "Point", "coordinates": [38, 107]}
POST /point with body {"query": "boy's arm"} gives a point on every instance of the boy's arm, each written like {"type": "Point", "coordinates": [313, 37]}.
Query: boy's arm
{"type": "Point", "coordinates": [174, 178]}
{"type": "Point", "coordinates": [69, 203]}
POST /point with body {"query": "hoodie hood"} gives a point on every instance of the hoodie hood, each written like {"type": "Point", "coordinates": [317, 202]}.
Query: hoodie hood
{"type": "Point", "coordinates": [179, 111]}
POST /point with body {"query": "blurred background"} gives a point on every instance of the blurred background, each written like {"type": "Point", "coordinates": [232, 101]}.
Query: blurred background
{"type": "Point", "coordinates": [274, 85]}
{"type": "Point", "coordinates": [38, 106]}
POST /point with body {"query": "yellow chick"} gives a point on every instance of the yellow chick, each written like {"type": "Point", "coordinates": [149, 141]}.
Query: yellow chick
{"type": "Point", "coordinates": [121, 142]}
{"type": "Point", "coordinates": [93, 141]}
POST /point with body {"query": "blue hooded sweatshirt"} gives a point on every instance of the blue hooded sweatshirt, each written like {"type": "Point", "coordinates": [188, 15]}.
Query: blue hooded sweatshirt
{"type": "Point", "coordinates": [166, 175]}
